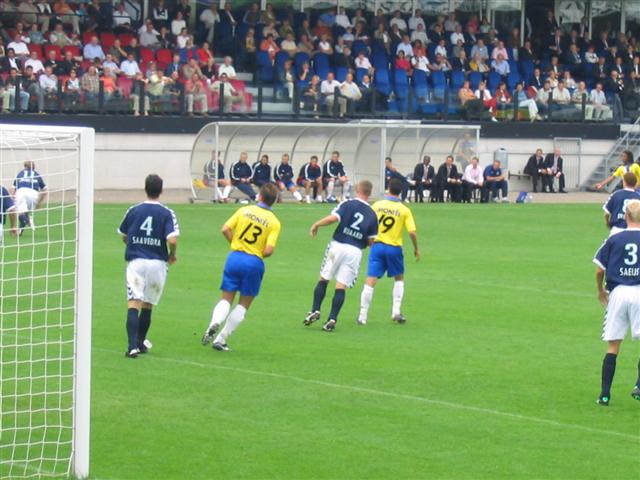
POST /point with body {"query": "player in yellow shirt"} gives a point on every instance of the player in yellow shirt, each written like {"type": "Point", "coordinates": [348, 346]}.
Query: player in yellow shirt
{"type": "Point", "coordinates": [253, 233]}
{"type": "Point", "coordinates": [386, 253]}
{"type": "Point", "coordinates": [627, 166]}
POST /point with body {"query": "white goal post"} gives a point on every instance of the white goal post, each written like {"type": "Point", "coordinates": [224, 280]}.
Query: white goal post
{"type": "Point", "coordinates": [363, 146]}
{"type": "Point", "coordinates": [45, 305]}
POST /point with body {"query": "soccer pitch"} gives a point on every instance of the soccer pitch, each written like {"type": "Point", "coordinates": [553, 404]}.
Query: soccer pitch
{"type": "Point", "coordinates": [495, 374]}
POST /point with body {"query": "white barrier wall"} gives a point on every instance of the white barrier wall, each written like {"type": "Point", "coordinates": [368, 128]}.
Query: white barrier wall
{"type": "Point", "coordinates": [122, 160]}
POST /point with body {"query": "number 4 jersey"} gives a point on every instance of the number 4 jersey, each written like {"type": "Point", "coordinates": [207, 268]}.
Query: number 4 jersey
{"type": "Point", "coordinates": [148, 226]}
{"type": "Point", "coordinates": [393, 216]}
{"type": "Point", "coordinates": [619, 256]}
{"type": "Point", "coordinates": [254, 228]}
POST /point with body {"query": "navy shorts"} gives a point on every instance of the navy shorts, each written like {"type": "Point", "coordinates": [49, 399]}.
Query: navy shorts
{"type": "Point", "coordinates": [242, 273]}
{"type": "Point", "coordinates": [385, 258]}
{"type": "Point", "coordinates": [288, 184]}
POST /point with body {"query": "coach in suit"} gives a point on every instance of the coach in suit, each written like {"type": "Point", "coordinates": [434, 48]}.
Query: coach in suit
{"type": "Point", "coordinates": [536, 169]}
{"type": "Point", "coordinates": [423, 176]}
{"type": "Point", "coordinates": [448, 178]}
{"type": "Point", "coordinates": [554, 163]}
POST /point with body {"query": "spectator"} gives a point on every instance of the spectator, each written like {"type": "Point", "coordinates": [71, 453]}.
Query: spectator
{"type": "Point", "coordinates": [399, 22]}
{"type": "Point", "coordinates": [121, 19]}
{"type": "Point", "coordinates": [553, 162]}
{"type": "Point", "coordinates": [327, 88]}
{"type": "Point", "coordinates": [160, 16]}
{"type": "Point", "coordinates": [35, 36]}
{"type": "Point", "coordinates": [441, 65]}
{"type": "Point", "coordinates": [405, 46]}
{"type": "Point", "coordinates": [420, 34]}
{"type": "Point", "coordinates": [536, 80]}
{"type": "Point", "coordinates": [183, 39]}
{"type": "Point", "coordinates": [312, 94]}
{"type": "Point", "coordinates": [635, 66]}
{"type": "Point", "coordinates": [423, 176]}
{"type": "Point", "coordinates": [59, 38]}
{"type": "Point", "coordinates": [166, 39]}
{"type": "Point", "coordinates": [191, 68]}
{"type": "Point", "coordinates": [35, 63]}
{"type": "Point", "coordinates": [362, 61]}
{"type": "Point", "coordinates": [270, 29]}
{"type": "Point", "coordinates": [460, 62]}
{"type": "Point", "coordinates": [526, 54]}
{"type": "Point", "coordinates": [209, 69]}
{"type": "Point", "coordinates": [285, 79]}
{"type": "Point", "coordinates": [252, 16]}
{"type": "Point", "coordinates": [542, 97]}
{"type": "Point", "coordinates": [553, 79]}
{"type": "Point", "coordinates": [209, 18]}
{"type": "Point", "coordinates": [133, 49]}
{"type": "Point", "coordinates": [227, 68]}
{"type": "Point", "coordinates": [441, 49]}
{"type": "Point", "coordinates": [324, 45]}
{"type": "Point", "coordinates": [49, 83]}
{"type": "Point", "coordinates": [230, 95]}
{"type": "Point", "coordinates": [536, 169]}
{"type": "Point", "coordinates": [195, 92]}
{"type": "Point", "coordinates": [457, 36]}
{"type": "Point", "coordinates": [342, 20]}
{"type": "Point", "coordinates": [241, 174]}
{"type": "Point", "coordinates": [472, 179]}
{"type": "Point", "coordinates": [525, 102]}
{"type": "Point", "coordinates": [601, 111]}
{"type": "Point", "coordinates": [204, 53]}
{"type": "Point", "coordinates": [402, 63]}
{"type": "Point", "coordinates": [109, 85]}
{"type": "Point", "coordinates": [117, 52]}
{"type": "Point", "coordinates": [554, 67]}
{"type": "Point", "coordinates": [177, 24]}
{"type": "Point", "coordinates": [591, 56]}
{"type": "Point", "coordinates": [348, 36]}
{"type": "Point", "coordinates": [349, 92]}
{"type": "Point", "coordinates": [12, 81]}
{"type": "Point", "coordinates": [174, 66]}
{"type": "Point", "coordinates": [382, 37]}
{"type": "Point", "coordinates": [149, 36]}
{"type": "Point", "coordinates": [52, 62]}
{"type": "Point", "coordinates": [90, 84]}
{"type": "Point", "coordinates": [474, 107]}
{"type": "Point", "coordinates": [286, 29]}
{"type": "Point", "coordinates": [503, 97]}
{"type": "Point", "coordinates": [487, 99]}
{"type": "Point", "coordinates": [248, 50]}
{"type": "Point", "coordinates": [31, 85]}
{"type": "Point", "coordinates": [130, 67]}
{"type": "Point", "coordinates": [451, 23]}
{"type": "Point", "coordinates": [269, 15]}
{"type": "Point", "coordinates": [306, 46]}
{"type": "Point", "coordinates": [416, 21]}
{"type": "Point", "coordinates": [69, 62]}
{"type": "Point", "coordinates": [289, 45]}
{"type": "Point", "coordinates": [561, 97]}
{"type": "Point", "coordinates": [93, 50]}
{"type": "Point", "coordinates": [111, 64]}
{"type": "Point", "coordinates": [480, 49]}
{"type": "Point", "coordinates": [358, 17]}
{"type": "Point", "coordinates": [19, 47]}
{"type": "Point", "coordinates": [367, 94]}
{"type": "Point", "coordinates": [496, 182]}
{"type": "Point", "coordinates": [555, 43]}
{"type": "Point", "coordinates": [270, 46]}
{"type": "Point", "coordinates": [71, 91]}
{"type": "Point", "coordinates": [448, 179]}
{"type": "Point", "coordinates": [420, 61]}
{"type": "Point", "coordinates": [32, 14]}
{"type": "Point", "coordinates": [579, 93]}
{"type": "Point", "coordinates": [67, 15]}
{"type": "Point", "coordinates": [501, 66]}
{"type": "Point", "coordinates": [477, 64]}
{"type": "Point", "coordinates": [499, 51]}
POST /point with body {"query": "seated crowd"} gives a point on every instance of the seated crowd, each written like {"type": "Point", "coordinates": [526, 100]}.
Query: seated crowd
{"type": "Point", "coordinates": [337, 62]}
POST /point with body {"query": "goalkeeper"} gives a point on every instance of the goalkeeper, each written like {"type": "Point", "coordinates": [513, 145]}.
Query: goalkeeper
{"type": "Point", "coordinates": [29, 191]}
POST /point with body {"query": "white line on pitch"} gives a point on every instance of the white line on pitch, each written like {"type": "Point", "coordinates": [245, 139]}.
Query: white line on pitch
{"type": "Point", "coordinates": [383, 393]}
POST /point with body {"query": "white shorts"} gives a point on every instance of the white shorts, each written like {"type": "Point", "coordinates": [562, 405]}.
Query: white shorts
{"type": "Point", "coordinates": [342, 262]}
{"type": "Point", "coordinates": [26, 200]}
{"type": "Point", "coordinates": [623, 313]}
{"type": "Point", "coordinates": [145, 280]}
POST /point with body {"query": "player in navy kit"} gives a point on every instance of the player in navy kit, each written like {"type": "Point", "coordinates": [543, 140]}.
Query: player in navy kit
{"type": "Point", "coordinates": [618, 263]}
{"type": "Point", "coordinates": [311, 179]}
{"type": "Point", "coordinates": [29, 191]}
{"type": "Point", "coordinates": [356, 230]}
{"type": "Point", "coordinates": [150, 231]}
{"type": "Point", "coordinates": [241, 175]}
{"type": "Point", "coordinates": [210, 177]}
{"type": "Point", "coordinates": [333, 173]}
{"type": "Point", "coordinates": [7, 209]}
{"type": "Point", "coordinates": [616, 206]}
{"type": "Point", "coordinates": [283, 176]}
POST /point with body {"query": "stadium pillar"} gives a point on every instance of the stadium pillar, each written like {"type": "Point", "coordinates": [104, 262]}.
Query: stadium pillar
{"type": "Point", "coordinates": [383, 154]}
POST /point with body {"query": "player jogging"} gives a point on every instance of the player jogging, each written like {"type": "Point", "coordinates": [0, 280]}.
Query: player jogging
{"type": "Point", "coordinates": [283, 176]}
{"type": "Point", "coordinates": [151, 232]}
{"type": "Point", "coordinates": [627, 166]}
{"type": "Point", "coordinates": [386, 252]}
{"type": "Point", "coordinates": [253, 233]}
{"type": "Point", "coordinates": [333, 173]}
{"type": "Point", "coordinates": [616, 206]}
{"type": "Point", "coordinates": [310, 178]}
{"type": "Point", "coordinates": [618, 262]}
{"type": "Point", "coordinates": [357, 228]}
{"type": "Point", "coordinates": [29, 191]}
{"type": "Point", "coordinates": [7, 209]}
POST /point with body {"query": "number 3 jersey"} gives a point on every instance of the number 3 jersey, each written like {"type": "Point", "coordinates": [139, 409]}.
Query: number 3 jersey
{"type": "Point", "coordinates": [357, 224]}
{"type": "Point", "coordinates": [147, 227]}
{"type": "Point", "coordinates": [619, 256]}
{"type": "Point", "coordinates": [393, 216]}
{"type": "Point", "coordinates": [254, 228]}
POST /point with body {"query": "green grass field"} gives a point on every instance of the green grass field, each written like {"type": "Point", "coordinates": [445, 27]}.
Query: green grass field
{"type": "Point", "coordinates": [495, 374]}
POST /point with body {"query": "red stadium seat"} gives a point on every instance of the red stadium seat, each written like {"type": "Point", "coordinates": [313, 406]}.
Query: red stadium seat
{"type": "Point", "coordinates": [55, 48]}
{"type": "Point", "coordinates": [125, 39]}
{"type": "Point", "coordinates": [107, 39]}
{"type": "Point", "coordinates": [147, 55]}
{"type": "Point", "coordinates": [35, 48]}
{"type": "Point", "coordinates": [86, 37]}
{"type": "Point", "coordinates": [75, 51]}
{"type": "Point", "coordinates": [165, 56]}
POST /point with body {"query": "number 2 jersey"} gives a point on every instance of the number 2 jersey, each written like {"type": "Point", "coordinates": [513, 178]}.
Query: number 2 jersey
{"type": "Point", "coordinates": [148, 226]}
{"type": "Point", "coordinates": [619, 256]}
{"type": "Point", "coordinates": [393, 216]}
{"type": "Point", "coordinates": [357, 223]}
{"type": "Point", "coordinates": [254, 228]}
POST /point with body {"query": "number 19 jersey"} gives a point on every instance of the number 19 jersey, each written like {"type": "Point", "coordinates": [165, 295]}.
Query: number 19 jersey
{"type": "Point", "coordinates": [254, 228]}
{"type": "Point", "coordinates": [393, 216]}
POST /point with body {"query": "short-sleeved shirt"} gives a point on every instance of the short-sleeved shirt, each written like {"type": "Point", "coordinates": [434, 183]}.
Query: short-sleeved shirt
{"type": "Point", "coordinates": [255, 227]}
{"type": "Point", "coordinates": [29, 179]}
{"type": "Point", "coordinates": [622, 169]}
{"type": "Point", "coordinates": [616, 206]}
{"type": "Point", "coordinates": [6, 204]}
{"type": "Point", "coordinates": [148, 226]}
{"type": "Point", "coordinates": [393, 217]}
{"type": "Point", "coordinates": [357, 223]}
{"type": "Point", "coordinates": [619, 256]}
{"type": "Point", "coordinates": [492, 172]}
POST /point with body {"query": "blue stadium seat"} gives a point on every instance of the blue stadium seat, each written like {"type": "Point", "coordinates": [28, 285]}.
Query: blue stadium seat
{"type": "Point", "coordinates": [493, 81]}
{"type": "Point", "coordinates": [526, 69]}
{"type": "Point", "coordinates": [341, 73]}
{"type": "Point", "coordinates": [265, 68]}
{"type": "Point", "coordinates": [457, 79]}
{"type": "Point", "coordinates": [438, 79]}
{"type": "Point", "coordinates": [513, 79]}
{"type": "Point", "coordinates": [474, 79]}
{"type": "Point", "coordinates": [360, 72]}
{"type": "Point", "coordinates": [382, 82]}
{"type": "Point", "coordinates": [281, 58]}
{"type": "Point", "coordinates": [357, 47]}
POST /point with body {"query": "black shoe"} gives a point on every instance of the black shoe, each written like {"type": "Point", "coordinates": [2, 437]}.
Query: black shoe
{"type": "Point", "coordinates": [399, 318]}
{"type": "Point", "coordinates": [635, 393]}
{"type": "Point", "coordinates": [133, 353]}
{"type": "Point", "coordinates": [221, 347]}
{"type": "Point", "coordinates": [208, 336]}
{"type": "Point", "coordinates": [604, 401]}
{"type": "Point", "coordinates": [552, 191]}
{"type": "Point", "coordinates": [142, 348]}
{"type": "Point", "coordinates": [311, 317]}
{"type": "Point", "coordinates": [562, 191]}
{"type": "Point", "coordinates": [330, 326]}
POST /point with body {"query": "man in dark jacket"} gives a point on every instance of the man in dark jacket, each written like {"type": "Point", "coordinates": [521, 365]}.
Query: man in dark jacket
{"type": "Point", "coordinates": [241, 175]}
{"type": "Point", "coordinates": [554, 163]}
{"type": "Point", "coordinates": [536, 169]}
{"type": "Point", "coordinates": [448, 179]}
{"type": "Point", "coordinates": [423, 175]}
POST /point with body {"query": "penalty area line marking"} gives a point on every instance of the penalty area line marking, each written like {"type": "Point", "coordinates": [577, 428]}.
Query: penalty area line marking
{"type": "Point", "coordinates": [383, 393]}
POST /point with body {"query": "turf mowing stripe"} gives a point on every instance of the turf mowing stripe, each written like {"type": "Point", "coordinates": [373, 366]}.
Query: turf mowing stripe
{"type": "Point", "coordinates": [382, 393]}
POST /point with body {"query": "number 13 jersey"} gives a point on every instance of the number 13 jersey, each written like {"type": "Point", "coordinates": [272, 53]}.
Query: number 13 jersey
{"type": "Point", "coordinates": [393, 216]}
{"type": "Point", "coordinates": [254, 228]}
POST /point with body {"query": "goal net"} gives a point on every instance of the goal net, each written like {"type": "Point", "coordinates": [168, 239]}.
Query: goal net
{"type": "Point", "coordinates": [45, 303]}
{"type": "Point", "coordinates": [363, 147]}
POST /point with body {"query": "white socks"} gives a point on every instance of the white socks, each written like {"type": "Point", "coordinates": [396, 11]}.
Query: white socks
{"type": "Point", "coordinates": [297, 196]}
{"type": "Point", "coordinates": [233, 320]}
{"type": "Point", "coordinates": [365, 301]}
{"type": "Point", "coordinates": [347, 190]}
{"type": "Point", "coordinates": [330, 185]}
{"type": "Point", "coordinates": [226, 192]}
{"type": "Point", "coordinates": [398, 293]}
{"type": "Point", "coordinates": [319, 199]}
{"type": "Point", "coordinates": [220, 312]}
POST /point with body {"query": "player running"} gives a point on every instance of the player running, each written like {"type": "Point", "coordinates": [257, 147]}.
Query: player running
{"type": "Point", "coordinates": [253, 233]}
{"type": "Point", "coordinates": [283, 176]}
{"type": "Point", "coordinates": [310, 178]}
{"type": "Point", "coordinates": [357, 228]}
{"type": "Point", "coordinates": [150, 230]}
{"type": "Point", "coordinates": [627, 166]}
{"type": "Point", "coordinates": [333, 173]}
{"type": "Point", "coordinates": [386, 252]}
{"type": "Point", "coordinates": [618, 262]}
{"type": "Point", "coordinates": [616, 206]}
{"type": "Point", "coordinates": [29, 191]}
{"type": "Point", "coordinates": [7, 209]}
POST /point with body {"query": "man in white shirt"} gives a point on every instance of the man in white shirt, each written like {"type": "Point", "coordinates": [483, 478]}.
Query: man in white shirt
{"type": "Point", "coordinates": [182, 39]}
{"type": "Point", "coordinates": [121, 18]}
{"type": "Point", "coordinates": [34, 62]}
{"type": "Point", "coordinates": [501, 66]}
{"type": "Point", "coordinates": [48, 82]}
{"type": "Point", "coordinates": [457, 36]}
{"type": "Point", "coordinates": [499, 51]}
{"type": "Point", "coordinates": [149, 37]}
{"type": "Point", "coordinates": [481, 49]}
{"type": "Point", "coordinates": [601, 111]}
{"type": "Point", "coordinates": [210, 17]}
{"type": "Point", "coordinates": [231, 95]}
{"type": "Point", "coordinates": [405, 46]}
{"type": "Point", "coordinates": [93, 50]}
{"type": "Point", "coordinates": [420, 62]}
{"type": "Point", "coordinates": [349, 90]}
{"type": "Point", "coordinates": [472, 179]}
{"type": "Point", "coordinates": [363, 62]}
{"type": "Point", "coordinates": [416, 20]}
{"type": "Point", "coordinates": [110, 64]}
{"type": "Point", "coordinates": [227, 69]}
{"type": "Point", "coordinates": [342, 19]}
{"type": "Point", "coordinates": [19, 47]}
{"type": "Point", "coordinates": [420, 34]}
{"type": "Point", "coordinates": [327, 89]}
{"type": "Point", "coordinates": [399, 21]}
{"type": "Point", "coordinates": [129, 66]}
{"type": "Point", "coordinates": [561, 97]}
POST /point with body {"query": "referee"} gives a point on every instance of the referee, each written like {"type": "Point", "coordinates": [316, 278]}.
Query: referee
{"type": "Point", "coordinates": [618, 263]}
